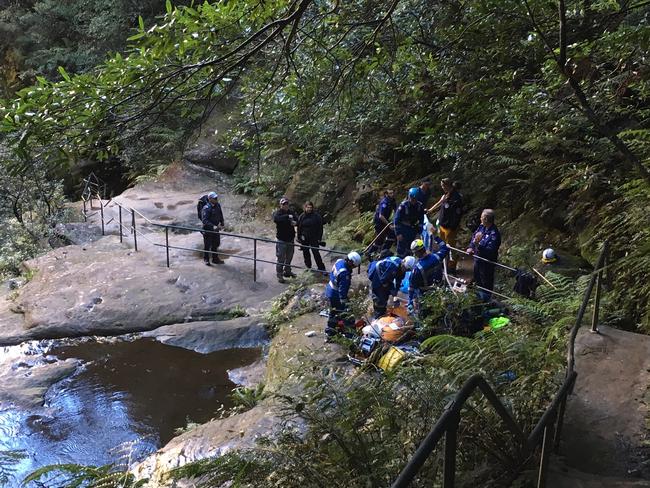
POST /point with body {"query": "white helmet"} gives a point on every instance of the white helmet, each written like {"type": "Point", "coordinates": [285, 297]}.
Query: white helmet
{"type": "Point", "coordinates": [549, 256]}
{"type": "Point", "coordinates": [355, 258]}
{"type": "Point", "coordinates": [417, 245]}
{"type": "Point", "coordinates": [408, 262]}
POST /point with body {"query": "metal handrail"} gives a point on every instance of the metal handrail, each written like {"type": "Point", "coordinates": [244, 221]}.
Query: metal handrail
{"type": "Point", "coordinates": [548, 430]}
{"type": "Point", "coordinates": [134, 232]}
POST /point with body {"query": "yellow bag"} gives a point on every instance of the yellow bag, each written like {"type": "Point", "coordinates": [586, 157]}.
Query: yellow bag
{"type": "Point", "coordinates": [391, 359]}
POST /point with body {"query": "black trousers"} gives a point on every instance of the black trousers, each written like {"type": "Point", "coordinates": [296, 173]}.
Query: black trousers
{"type": "Point", "coordinates": [484, 276]}
{"type": "Point", "coordinates": [211, 242]}
{"type": "Point", "coordinates": [317, 257]}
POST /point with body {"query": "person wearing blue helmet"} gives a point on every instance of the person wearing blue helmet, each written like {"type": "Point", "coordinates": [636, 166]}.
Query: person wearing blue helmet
{"type": "Point", "coordinates": [408, 222]}
{"type": "Point", "coordinates": [385, 277]}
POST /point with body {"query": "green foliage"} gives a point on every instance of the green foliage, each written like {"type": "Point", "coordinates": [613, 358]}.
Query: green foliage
{"type": "Point", "coordinates": [232, 313]}
{"type": "Point", "coordinates": [291, 303]}
{"type": "Point", "coordinates": [76, 476]}
{"type": "Point", "coordinates": [362, 429]}
{"type": "Point", "coordinates": [246, 398]}
{"type": "Point", "coordinates": [8, 461]}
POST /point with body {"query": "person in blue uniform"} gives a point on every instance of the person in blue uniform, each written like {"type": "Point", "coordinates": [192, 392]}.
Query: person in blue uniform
{"type": "Point", "coordinates": [385, 277]}
{"type": "Point", "coordinates": [485, 243]}
{"type": "Point", "coordinates": [384, 231]}
{"type": "Point", "coordinates": [337, 290]}
{"type": "Point", "coordinates": [408, 222]}
{"type": "Point", "coordinates": [427, 269]}
{"type": "Point", "coordinates": [424, 192]}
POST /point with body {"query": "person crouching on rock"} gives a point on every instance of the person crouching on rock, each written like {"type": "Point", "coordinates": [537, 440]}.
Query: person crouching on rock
{"type": "Point", "coordinates": [310, 233]}
{"type": "Point", "coordinates": [337, 291]}
{"type": "Point", "coordinates": [285, 234]}
{"type": "Point", "coordinates": [212, 219]}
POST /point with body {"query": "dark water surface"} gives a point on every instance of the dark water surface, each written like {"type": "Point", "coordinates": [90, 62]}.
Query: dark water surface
{"type": "Point", "coordinates": [123, 404]}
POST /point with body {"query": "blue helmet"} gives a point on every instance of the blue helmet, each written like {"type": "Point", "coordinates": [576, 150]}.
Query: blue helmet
{"type": "Point", "coordinates": [413, 192]}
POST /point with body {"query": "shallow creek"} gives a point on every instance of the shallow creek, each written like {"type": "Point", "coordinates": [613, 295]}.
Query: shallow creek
{"type": "Point", "coordinates": [125, 400]}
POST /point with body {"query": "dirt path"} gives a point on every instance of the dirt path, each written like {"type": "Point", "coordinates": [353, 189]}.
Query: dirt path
{"type": "Point", "coordinates": [605, 427]}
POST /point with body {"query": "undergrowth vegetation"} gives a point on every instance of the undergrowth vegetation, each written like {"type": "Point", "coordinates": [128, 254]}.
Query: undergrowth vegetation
{"type": "Point", "coordinates": [362, 428]}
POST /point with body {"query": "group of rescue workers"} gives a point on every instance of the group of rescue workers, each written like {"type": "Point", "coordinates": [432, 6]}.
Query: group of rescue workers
{"type": "Point", "coordinates": [421, 246]}
{"type": "Point", "coordinates": [421, 249]}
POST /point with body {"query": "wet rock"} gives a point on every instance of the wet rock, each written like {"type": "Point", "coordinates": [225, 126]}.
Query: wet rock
{"type": "Point", "coordinates": [248, 376]}
{"type": "Point", "coordinates": [209, 336]}
{"type": "Point", "coordinates": [25, 386]}
{"type": "Point", "coordinates": [219, 158]}
{"type": "Point", "coordinates": [208, 440]}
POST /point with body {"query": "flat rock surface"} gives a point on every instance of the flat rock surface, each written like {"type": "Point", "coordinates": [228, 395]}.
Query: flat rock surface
{"type": "Point", "coordinates": [605, 421]}
{"type": "Point", "coordinates": [105, 287]}
{"type": "Point", "coordinates": [208, 440]}
{"type": "Point", "coordinates": [25, 385]}
{"type": "Point", "coordinates": [209, 336]}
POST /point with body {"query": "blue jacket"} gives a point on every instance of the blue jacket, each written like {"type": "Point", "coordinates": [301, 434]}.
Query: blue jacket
{"type": "Point", "coordinates": [385, 208]}
{"type": "Point", "coordinates": [488, 246]}
{"type": "Point", "coordinates": [340, 281]}
{"type": "Point", "coordinates": [409, 215]}
{"type": "Point", "coordinates": [383, 273]}
{"type": "Point", "coordinates": [425, 268]}
{"type": "Point", "coordinates": [211, 215]}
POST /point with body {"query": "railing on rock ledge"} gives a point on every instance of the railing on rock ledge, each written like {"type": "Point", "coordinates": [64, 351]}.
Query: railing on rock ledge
{"type": "Point", "coordinates": [546, 434]}
{"type": "Point", "coordinates": [92, 193]}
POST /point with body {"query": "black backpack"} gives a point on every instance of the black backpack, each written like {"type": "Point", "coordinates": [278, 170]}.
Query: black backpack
{"type": "Point", "coordinates": [203, 201]}
{"type": "Point", "coordinates": [525, 283]}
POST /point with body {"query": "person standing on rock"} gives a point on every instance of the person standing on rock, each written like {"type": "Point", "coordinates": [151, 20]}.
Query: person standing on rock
{"type": "Point", "coordinates": [285, 223]}
{"type": "Point", "coordinates": [212, 219]}
{"type": "Point", "coordinates": [310, 233]}
{"type": "Point", "coordinates": [485, 244]}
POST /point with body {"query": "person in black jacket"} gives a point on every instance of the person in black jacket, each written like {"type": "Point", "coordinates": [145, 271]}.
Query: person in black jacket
{"type": "Point", "coordinates": [212, 219]}
{"type": "Point", "coordinates": [310, 233]}
{"type": "Point", "coordinates": [449, 215]}
{"type": "Point", "coordinates": [285, 234]}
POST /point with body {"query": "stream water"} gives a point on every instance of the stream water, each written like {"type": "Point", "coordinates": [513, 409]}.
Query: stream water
{"type": "Point", "coordinates": [125, 402]}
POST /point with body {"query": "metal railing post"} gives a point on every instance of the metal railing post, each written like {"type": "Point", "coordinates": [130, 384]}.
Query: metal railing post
{"type": "Point", "coordinates": [119, 213]}
{"type": "Point", "coordinates": [167, 243]}
{"type": "Point", "coordinates": [594, 316]}
{"type": "Point", "coordinates": [101, 213]}
{"type": "Point", "coordinates": [254, 260]}
{"type": "Point", "coordinates": [135, 237]}
{"type": "Point", "coordinates": [547, 443]}
{"type": "Point", "coordinates": [558, 425]}
{"type": "Point", "coordinates": [449, 466]}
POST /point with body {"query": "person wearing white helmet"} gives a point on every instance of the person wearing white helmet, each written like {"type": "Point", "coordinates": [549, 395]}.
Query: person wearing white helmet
{"type": "Point", "coordinates": [212, 220]}
{"type": "Point", "coordinates": [385, 277]}
{"type": "Point", "coordinates": [549, 256]}
{"type": "Point", "coordinates": [337, 290]}
{"type": "Point", "coordinates": [427, 269]}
